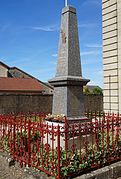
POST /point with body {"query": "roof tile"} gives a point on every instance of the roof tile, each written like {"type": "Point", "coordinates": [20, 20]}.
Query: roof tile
{"type": "Point", "coordinates": [20, 84]}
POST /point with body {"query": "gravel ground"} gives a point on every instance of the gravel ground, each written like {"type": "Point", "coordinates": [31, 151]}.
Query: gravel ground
{"type": "Point", "coordinates": [15, 172]}
{"type": "Point", "coordinates": [10, 171]}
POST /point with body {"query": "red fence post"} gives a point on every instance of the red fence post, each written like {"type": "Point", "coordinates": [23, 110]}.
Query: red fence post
{"type": "Point", "coordinates": [29, 143]}
{"type": "Point", "coordinates": [103, 148]}
{"type": "Point", "coordinates": [66, 134]}
{"type": "Point", "coordinates": [58, 152]}
{"type": "Point", "coordinates": [14, 135]}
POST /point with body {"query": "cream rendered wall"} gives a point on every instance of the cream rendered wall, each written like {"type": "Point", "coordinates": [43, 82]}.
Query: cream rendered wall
{"type": "Point", "coordinates": [3, 71]}
{"type": "Point", "coordinates": [119, 49]}
{"type": "Point", "coordinates": [111, 64]}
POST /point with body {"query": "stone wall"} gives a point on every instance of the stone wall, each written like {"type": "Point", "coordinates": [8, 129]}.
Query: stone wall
{"type": "Point", "coordinates": [41, 103]}
{"type": "Point", "coordinates": [93, 102]}
{"type": "Point", "coordinates": [25, 103]}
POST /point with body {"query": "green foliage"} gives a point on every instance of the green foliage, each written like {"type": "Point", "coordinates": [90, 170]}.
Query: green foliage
{"type": "Point", "coordinates": [97, 90]}
{"type": "Point", "coordinates": [6, 143]}
{"type": "Point", "coordinates": [86, 90]}
{"type": "Point", "coordinates": [70, 161]}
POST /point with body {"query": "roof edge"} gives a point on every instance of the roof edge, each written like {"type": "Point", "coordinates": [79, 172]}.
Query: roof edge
{"type": "Point", "coordinates": [3, 64]}
{"type": "Point", "coordinates": [44, 83]}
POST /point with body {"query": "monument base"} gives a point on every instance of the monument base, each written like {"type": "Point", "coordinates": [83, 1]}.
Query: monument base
{"type": "Point", "coordinates": [72, 131]}
{"type": "Point", "coordinates": [78, 119]}
{"type": "Point", "coordinates": [68, 98]}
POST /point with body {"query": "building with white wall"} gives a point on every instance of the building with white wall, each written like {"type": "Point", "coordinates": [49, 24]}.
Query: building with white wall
{"type": "Point", "coordinates": [111, 22]}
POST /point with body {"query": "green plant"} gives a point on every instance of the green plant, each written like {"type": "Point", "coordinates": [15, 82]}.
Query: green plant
{"type": "Point", "coordinates": [6, 143]}
{"type": "Point", "coordinates": [106, 146]}
{"type": "Point", "coordinates": [97, 90]}
{"type": "Point", "coordinates": [86, 90]}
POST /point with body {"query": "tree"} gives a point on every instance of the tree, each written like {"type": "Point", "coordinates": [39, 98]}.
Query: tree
{"type": "Point", "coordinates": [86, 90]}
{"type": "Point", "coordinates": [97, 90]}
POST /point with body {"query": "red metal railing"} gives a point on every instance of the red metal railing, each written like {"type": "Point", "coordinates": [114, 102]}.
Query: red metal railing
{"type": "Point", "coordinates": [65, 148]}
{"type": "Point", "coordinates": [94, 143]}
{"type": "Point", "coordinates": [29, 139]}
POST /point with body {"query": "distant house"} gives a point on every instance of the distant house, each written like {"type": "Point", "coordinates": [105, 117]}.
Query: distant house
{"type": "Point", "coordinates": [21, 92]}
{"type": "Point", "coordinates": [20, 85]}
{"type": "Point", "coordinates": [4, 70]}
{"type": "Point", "coordinates": [92, 87]}
{"type": "Point", "coordinates": [16, 73]}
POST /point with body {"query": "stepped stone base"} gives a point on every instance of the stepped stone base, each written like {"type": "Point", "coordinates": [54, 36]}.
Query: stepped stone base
{"type": "Point", "coordinates": [68, 101]}
{"type": "Point", "coordinates": [68, 98]}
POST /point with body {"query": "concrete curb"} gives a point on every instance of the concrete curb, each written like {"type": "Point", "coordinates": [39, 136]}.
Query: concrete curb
{"type": "Point", "coordinates": [109, 172]}
{"type": "Point", "coordinates": [112, 171]}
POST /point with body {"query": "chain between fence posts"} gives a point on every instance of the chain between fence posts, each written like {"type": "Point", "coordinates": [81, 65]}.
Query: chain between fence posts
{"type": "Point", "coordinates": [58, 152]}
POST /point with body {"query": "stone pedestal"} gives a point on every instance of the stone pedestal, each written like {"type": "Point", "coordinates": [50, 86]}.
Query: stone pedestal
{"type": "Point", "coordinates": [68, 96]}
{"type": "Point", "coordinates": [68, 136]}
{"type": "Point", "coordinates": [68, 82]}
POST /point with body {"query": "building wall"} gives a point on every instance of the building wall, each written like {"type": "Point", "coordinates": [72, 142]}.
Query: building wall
{"type": "Point", "coordinates": [119, 49]}
{"type": "Point", "coordinates": [16, 73]}
{"type": "Point", "coordinates": [111, 45]}
{"type": "Point", "coordinates": [3, 71]}
{"type": "Point", "coordinates": [41, 103]}
{"type": "Point", "coordinates": [25, 103]}
{"type": "Point", "coordinates": [93, 103]}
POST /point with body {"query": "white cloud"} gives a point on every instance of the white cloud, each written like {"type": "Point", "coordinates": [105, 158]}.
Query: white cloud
{"type": "Point", "coordinates": [89, 62]}
{"type": "Point", "coordinates": [44, 73]}
{"type": "Point", "coordinates": [94, 45]}
{"type": "Point", "coordinates": [86, 25]}
{"type": "Point", "coordinates": [54, 55]}
{"type": "Point", "coordinates": [96, 52]}
{"type": "Point", "coordinates": [52, 62]}
{"type": "Point", "coordinates": [49, 28]}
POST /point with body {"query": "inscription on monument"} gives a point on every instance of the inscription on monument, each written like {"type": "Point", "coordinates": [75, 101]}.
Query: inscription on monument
{"type": "Point", "coordinates": [63, 36]}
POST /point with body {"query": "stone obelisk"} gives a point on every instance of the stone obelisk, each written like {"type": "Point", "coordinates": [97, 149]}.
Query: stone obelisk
{"type": "Point", "coordinates": [68, 82]}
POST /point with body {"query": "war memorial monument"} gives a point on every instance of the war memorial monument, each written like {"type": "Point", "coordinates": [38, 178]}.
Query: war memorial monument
{"type": "Point", "coordinates": [68, 82]}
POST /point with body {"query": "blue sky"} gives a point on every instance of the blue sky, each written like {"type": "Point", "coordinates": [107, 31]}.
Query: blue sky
{"type": "Point", "coordinates": [29, 35]}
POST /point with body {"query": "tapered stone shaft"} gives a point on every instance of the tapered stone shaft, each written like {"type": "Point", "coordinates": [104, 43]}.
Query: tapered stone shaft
{"type": "Point", "coordinates": [68, 82]}
{"type": "Point", "coordinates": [69, 51]}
